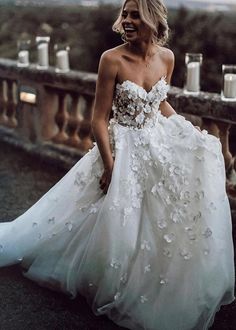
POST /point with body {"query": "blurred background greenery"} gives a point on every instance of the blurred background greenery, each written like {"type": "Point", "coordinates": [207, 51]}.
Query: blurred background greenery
{"type": "Point", "coordinates": [88, 33]}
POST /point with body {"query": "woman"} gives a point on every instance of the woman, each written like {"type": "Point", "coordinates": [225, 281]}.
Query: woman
{"type": "Point", "coordinates": [141, 225]}
{"type": "Point", "coordinates": [142, 51]}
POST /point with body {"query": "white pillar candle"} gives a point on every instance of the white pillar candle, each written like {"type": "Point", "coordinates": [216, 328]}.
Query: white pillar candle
{"type": "Point", "coordinates": [230, 85]}
{"type": "Point", "coordinates": [193, 77]}
{"type": "Point", "coordinates": [23, 57]}
{"type": "Point", "coordinates": [43, 54]}
{"type": "Point", "coordinates": [62, 60]}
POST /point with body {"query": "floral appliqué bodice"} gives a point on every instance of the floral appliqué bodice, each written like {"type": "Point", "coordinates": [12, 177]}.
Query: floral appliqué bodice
{"type": "Point", "coordinates": [134, 106]}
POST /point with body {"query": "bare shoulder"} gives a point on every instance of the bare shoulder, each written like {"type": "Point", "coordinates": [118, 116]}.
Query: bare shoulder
{"type": "Point", "coordinates": [168, 60]}
{"type": "Point", "coordinates": [167, 55]}
{"type": "Point", "coordinates": [109, 65]}
{"type": "Point", "coordinates": [112, 56]}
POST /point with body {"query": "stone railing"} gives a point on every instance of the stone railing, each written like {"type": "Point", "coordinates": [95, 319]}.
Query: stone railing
{"type": "Point", "coordinates": [43, 105]}
{"type": "Point", "coordinates": [62, 107]}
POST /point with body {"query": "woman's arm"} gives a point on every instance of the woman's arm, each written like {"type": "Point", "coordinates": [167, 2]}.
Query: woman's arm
{"type": "Point", "coordinates": [107, 73]}
{"type": "Point", "coordinates": [169, 59]}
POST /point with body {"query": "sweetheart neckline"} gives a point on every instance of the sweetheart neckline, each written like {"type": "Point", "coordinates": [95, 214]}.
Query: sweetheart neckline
{"type": "Point", "coordinates": [163, 78]}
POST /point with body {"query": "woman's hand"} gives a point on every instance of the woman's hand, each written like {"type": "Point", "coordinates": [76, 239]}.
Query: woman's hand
{"type": "Point", "coordinates": [105, 179]}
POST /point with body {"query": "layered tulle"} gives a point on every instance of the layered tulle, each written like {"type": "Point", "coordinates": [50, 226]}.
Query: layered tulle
{"type": "Point", "coordinates": [156, 251]}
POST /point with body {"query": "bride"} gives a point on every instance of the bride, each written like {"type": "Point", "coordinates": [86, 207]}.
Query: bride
{"type": "Point", "coordinates": [141, 224]}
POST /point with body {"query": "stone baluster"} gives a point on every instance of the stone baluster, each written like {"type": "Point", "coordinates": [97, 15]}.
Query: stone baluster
{"type": "Point", "coordinates": [224, 129]}
{"type": "Point", "coordinates": [61, 118]}
{"type": "Point", "coordinates": [11, 104]}
{"type": "Point", "coordinates": [74, 120]}
{"type": "Point", "coordinates": [230, 162]}
{"type": "Point", "coordinates": [3, 104]}
{"type": "Point", "coordinates": [211, 126]}
{"type": "Point", "coordinates": [85, 130]}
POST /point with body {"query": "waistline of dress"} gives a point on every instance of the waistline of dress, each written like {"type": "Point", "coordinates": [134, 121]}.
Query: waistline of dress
{"type": "Point", "coordinates": [149, 123]}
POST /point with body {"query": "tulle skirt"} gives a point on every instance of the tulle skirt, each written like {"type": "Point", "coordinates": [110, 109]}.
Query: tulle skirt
{"type": "Point", "coordinates": [156, 251]}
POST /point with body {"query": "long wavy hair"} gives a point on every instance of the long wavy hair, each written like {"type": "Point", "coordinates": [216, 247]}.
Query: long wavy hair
{"type": "Point", "coordinates": [153, 13]}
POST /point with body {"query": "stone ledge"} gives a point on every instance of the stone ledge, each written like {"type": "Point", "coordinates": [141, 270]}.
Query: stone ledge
{"type": "Point", "coordinates": [205, 105]}
{"type": "Point", "coordinates": [61, 156]}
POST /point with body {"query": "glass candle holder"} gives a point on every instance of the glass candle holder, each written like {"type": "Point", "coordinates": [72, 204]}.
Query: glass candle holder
{"type": "Point", "coordinates": [193, 69]}
{"type": "Point", "coordinates": [62, 58]}
{"type": "Point", "coordinates": [228, 91]}
{"type": "Point", "coordinates": [23, 47]}
{"type": "Point", "coordinates": [42, 49]}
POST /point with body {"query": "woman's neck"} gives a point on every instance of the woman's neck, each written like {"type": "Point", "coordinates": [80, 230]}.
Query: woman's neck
{"type": "Point", "coordinates": [142, 49]}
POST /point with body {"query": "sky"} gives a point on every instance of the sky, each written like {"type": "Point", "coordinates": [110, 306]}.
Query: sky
{"type": "Point", "coordinates": [199, 3]}
{"type": "Point", "coordinates": [233, 2]}
{"type": "Point", "coordinates": [202, 4]}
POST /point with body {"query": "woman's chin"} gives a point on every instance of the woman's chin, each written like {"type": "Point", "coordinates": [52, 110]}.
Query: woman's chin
{"type": "Point", "coordinates": [130, 36]}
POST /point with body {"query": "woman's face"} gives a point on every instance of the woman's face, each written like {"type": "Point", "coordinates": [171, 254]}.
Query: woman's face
{"type": "Point", "coordinates": [134, 29]}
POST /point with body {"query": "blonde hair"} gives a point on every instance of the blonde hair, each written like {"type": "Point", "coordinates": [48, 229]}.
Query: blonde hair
{"type": "Point", "coordinates": [153, 13]}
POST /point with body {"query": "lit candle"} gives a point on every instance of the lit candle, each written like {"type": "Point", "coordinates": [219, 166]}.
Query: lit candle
{"type": "Point", "coordinates": [62, 60]}
{"type": "Point", "coordinates": [43, 54]}
{"type": "Point", "coordinates": [193, 77]}
{"type": "Point", "coordinates": [230, 85]}
{"type": "Point", "coordinates": [28, 97]}
{"type": "Point", "coordinates": [23, 57]}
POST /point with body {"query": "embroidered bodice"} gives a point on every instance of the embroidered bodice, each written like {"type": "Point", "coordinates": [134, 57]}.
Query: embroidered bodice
{"type": "Point", "coordinates": [134, 106]}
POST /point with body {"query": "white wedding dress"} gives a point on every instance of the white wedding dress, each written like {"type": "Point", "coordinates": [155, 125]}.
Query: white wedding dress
{"type": "Point", "coordinates": [156, 251]}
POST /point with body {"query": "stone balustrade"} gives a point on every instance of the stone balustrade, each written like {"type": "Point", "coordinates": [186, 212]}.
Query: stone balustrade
{"type": "Point", "coordinates": [62, 109]}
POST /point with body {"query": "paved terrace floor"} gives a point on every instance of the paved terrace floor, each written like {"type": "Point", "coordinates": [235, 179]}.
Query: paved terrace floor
{"type": "Point", "coordinates": [25, 305]}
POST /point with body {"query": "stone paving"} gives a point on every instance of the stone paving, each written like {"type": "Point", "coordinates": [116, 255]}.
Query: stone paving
{"type": "Point", "coordinates": [24, 304]}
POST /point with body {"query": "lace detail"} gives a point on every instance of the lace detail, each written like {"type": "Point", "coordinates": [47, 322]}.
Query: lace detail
{"type": "Point", "coordinates": [134, 106]}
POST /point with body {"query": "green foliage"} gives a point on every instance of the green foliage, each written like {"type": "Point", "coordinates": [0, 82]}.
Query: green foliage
{"type": "Point", "coordinates": [212, 34]}
{"type": "Point", "coordinates": [88, 32]}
